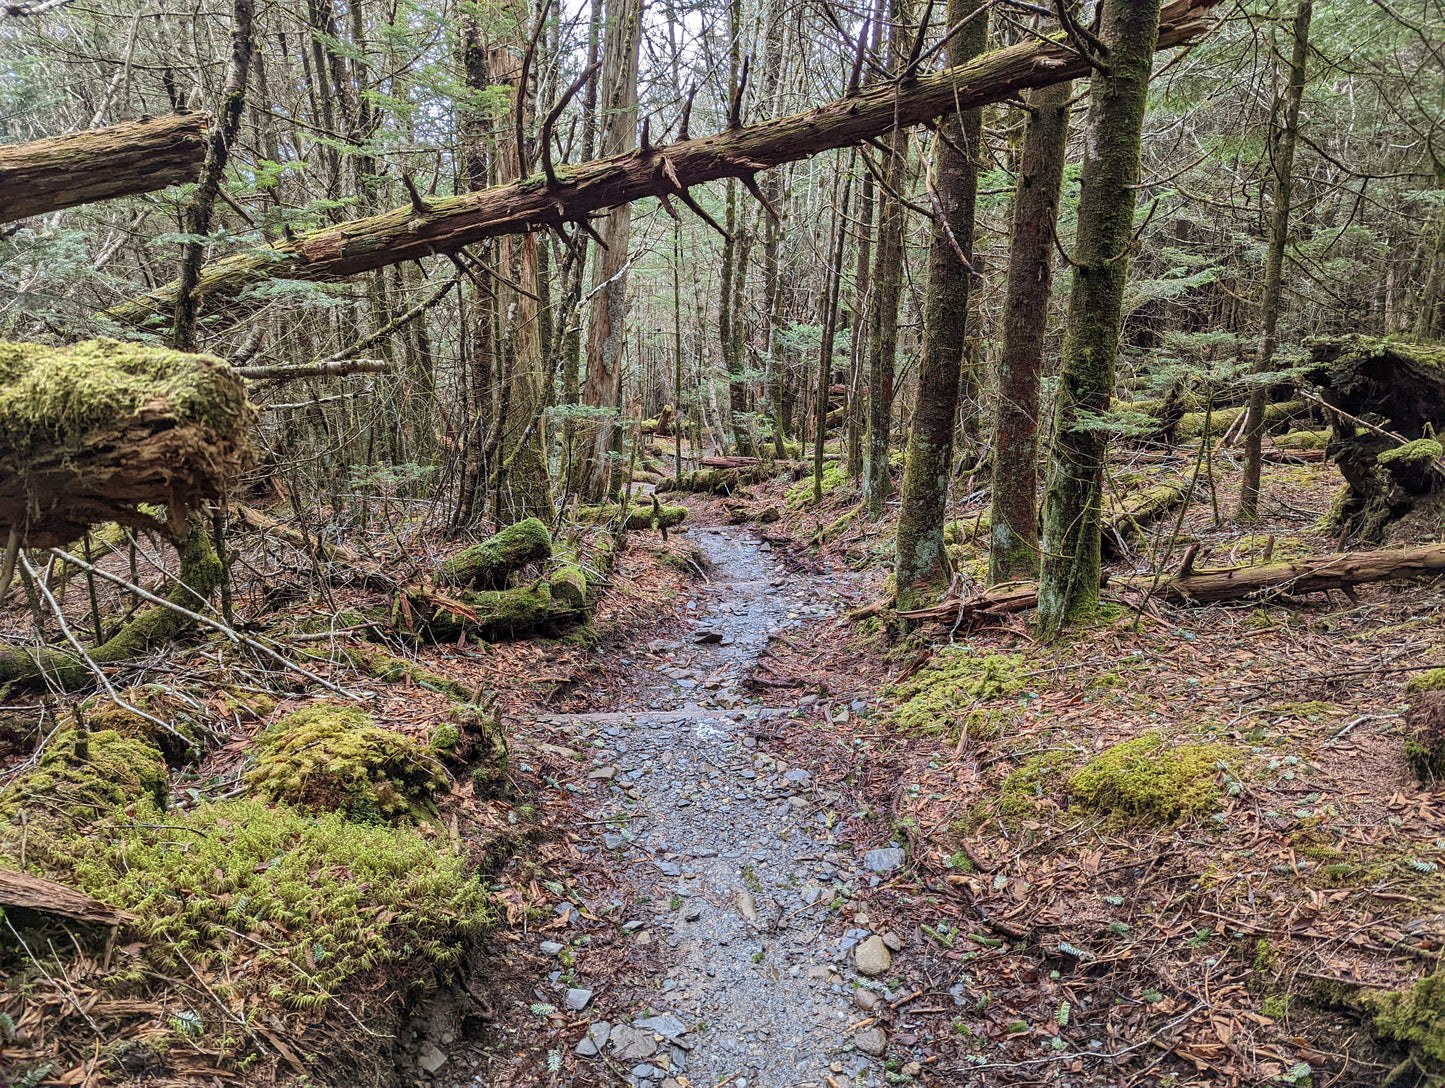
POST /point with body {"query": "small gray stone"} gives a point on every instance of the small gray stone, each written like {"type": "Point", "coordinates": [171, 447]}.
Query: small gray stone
{"type": "Point", "coordinates": [666, 1025]}
{"type": "Point", "coordinates": [595, 1039]}
{"type": "Point", "coordinates": [893, 941]}
{"type": "Point", "coordinates": [630, 1044]}
{"type": "Point", "coordinates": [551, 948]}
{"type": "Point", "coordinates": [882, 860]}
{"type": "Point", "coordinates": [692, 914]}
{"type": "Point", "coordinates": [577, 999]}
{"type": "Point", "coordinates": [431, 1059]}
{"type": "Point", "coordinates": [866, 999]}
{"type": "Point", "coordinates": [798, 776]}
{"type": "Point", "coordinates": [669, 868]}
{"type": "Point", "coordinates": [872, 1041]}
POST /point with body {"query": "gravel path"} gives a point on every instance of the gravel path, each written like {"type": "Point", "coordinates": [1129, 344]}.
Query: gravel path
{"type": "Point", "coordinates": [762, 988]}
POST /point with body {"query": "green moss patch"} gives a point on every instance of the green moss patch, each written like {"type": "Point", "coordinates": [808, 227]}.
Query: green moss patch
{"type": "Point", "coordinates": [307, 903]}
{"type": "Point", "coordinates": [1150, 780]}
{"type": "Point", "coordinates": [335, 758]}
{"type": "Point", "coordinates": [1434, 680]}
{"type": "Point", "coordinates": [1419, 452]}
{"type": "Point", "coordinates": [948, 692]}
{"type": "Point", "coordinates": [1416, 1018]}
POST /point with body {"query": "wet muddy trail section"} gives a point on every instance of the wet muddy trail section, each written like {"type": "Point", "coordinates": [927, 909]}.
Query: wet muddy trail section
{"type": "Point", "coordinates": [739, 877]}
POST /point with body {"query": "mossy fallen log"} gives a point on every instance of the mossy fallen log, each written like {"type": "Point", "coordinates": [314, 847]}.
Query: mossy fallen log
{"type": "Point", "coordinates": [148, 630]}
{"type": "Point", "coordinates": [323, 550]}
{"type": "Point", "coordinates": [91, 432]}
{"type": "Point", "coordinates": [487, 565]}
{"type": "Point", "coordinates": [1220, 420]}
{"type": "Point", "coordinates": [487, 616]}
{"type": "Point", "coordinates": [639, 517]}
{"type": "Point", "coordinates": [1127, 521]}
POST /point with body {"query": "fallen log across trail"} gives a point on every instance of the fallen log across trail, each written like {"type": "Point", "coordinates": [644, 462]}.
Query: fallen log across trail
{"type": "Point", "coordinates": [443, 225]}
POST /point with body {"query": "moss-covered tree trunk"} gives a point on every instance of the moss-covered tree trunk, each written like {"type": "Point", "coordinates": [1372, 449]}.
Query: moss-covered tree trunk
{"type": "Point", "coordinates": [921, 561]}
{"type": "Point", "coordinates": [888, 284]}
{"type": "Point", "coordinates": [1073, 498]}
{"type": "Point", "coordinates": [1013, 550]}
{"type": "Point", "coordinates": [1282, 177]}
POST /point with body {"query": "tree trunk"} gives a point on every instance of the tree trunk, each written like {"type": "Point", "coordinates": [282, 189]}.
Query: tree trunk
{"type": "Point", "coordinates": [922, 563]}
{"type": "Point", "coordinates": [1013, 550]}
{"type": "Point", "coordinates": [1282, 169]}
{"type": "Point", "coordinates": [449, 223]}
{"type": "Point", "coordinates": [203, 203]}
{"type": "Point", "coordinates": [100, 164]}
{"type": "Point", "coordinates": [1069, 587]}
{"type": "Point", "coordinates": [605, 332]}
{"type": "Point", "coordinates": [831, 290]}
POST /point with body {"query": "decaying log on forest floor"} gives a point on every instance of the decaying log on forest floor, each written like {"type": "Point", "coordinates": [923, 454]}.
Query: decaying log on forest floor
{"type": "Point", "coordinates": [100, 163]}
{"type": "Point", "coordinates": [34, 893]}
{"type": "Point", "coordinates": [1389, 411]}
{"type": "Point", "coordinates": [1129, 519]}
{"type": "Point", "coordinates": [440, 225]}
{"type": "Point", "coordinates": [488, 564]}
{"type": "Point", "coordinates": [754, 462]}
{"type": "Point", "coordinates": [640, 516]}
{"type": "Point", "coordinates": [1341, 571]}
{"type": "Point", "coordinates": [90, 432]}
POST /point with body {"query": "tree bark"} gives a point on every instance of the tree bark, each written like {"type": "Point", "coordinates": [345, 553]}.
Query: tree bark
{"type": "Point", "coordinates": [203, 203]}
{"type": "Point", "coordinates": [888, 285]}
{"type": "Point", "coordinates": [449, 223]}
{"type": "Point", "coordinates": [1282, 170]}
{"type": "Point", "coordinates": [1069, 586]}
{"type": "Point", "coordinates": [922, 562]}
{"type": "Point", "coordinates": [607, 327]}
{"type": "Point", "coordinates": [1014, 536]}
{"type": "Point", "coordinates": [100, 164]}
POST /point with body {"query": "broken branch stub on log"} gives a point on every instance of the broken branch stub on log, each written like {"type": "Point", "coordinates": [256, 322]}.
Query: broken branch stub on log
{"type": "Point", "coordinates": [99, 164]}
{"type": "Point", "coordinates": [450, 223]}
{"type": "Point", "coordinates": [91, 431]}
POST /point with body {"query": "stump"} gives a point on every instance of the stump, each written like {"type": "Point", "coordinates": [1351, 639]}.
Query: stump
{"type": "Point", "coordinates": [1390, 398]}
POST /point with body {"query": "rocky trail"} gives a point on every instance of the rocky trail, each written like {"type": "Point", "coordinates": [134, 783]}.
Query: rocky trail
{"type": "Point", "coordinates": [765, 983]}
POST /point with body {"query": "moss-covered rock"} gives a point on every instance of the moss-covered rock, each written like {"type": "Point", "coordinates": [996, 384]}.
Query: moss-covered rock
{"type": "Point", "coordinates": [947, 693]}
{"type": "Point", "coordinates": [1150, 780]}
{"type": "Point", "coordinates": [1414, 1017]}
{"type": "Point", "coordinates": [335, 758]}
{"type": "Point", "coordinates": [181, 741]}
{"type": "Point", "coordinates": [487, 565]}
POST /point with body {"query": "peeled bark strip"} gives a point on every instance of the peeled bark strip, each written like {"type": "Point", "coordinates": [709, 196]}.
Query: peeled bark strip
{"type": "Point", "coordinates": [488, 564]}
{"type": "Point", "coordinates": [35, 893]}
{"type": "Point", "coordinates": [90, 432]}
{"type": "Point", "coordinates": [450, 223]}
{"type": "Point", "coordinates": [103, 163]}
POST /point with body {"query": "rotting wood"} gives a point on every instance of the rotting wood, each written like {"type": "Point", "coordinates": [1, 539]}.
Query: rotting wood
{"type": "Point", "coordinates": [530, 204]}
{"type": "Point", "coordinates": [100, 164]}
{"type": "Point", "coordinates": [35, 893]}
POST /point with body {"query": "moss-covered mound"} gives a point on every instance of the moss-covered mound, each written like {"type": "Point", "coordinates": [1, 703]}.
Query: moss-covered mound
{"type": "Point", "coordinates": [1425, 734]}
{"type": "Point", "coordinates": [91, 431]}
{"type": "Point", "coordinates": [1434, 680]}
{"type": "Point", "coordinates": [1150, 780]}
{"type": "Point", "coordinates": [1416, 1018]}
{"type": "Point", "coordinates": [320, 912]}
{"type": "Point", "coordinates": [335, 758]}
{"type": "Point", "coordinates": [948, 693]}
